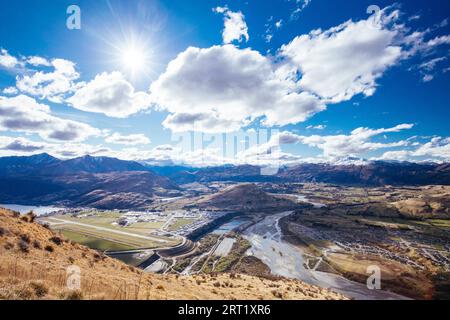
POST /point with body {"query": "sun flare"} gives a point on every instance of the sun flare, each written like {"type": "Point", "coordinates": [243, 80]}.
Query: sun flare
{"type": "Point", "coordinates": [133, 58]}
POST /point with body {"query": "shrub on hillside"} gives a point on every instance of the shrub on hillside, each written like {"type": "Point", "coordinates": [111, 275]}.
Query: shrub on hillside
{"type": "Point", "coordinates": [40, 289]}
{"type": "Point", "coordinates": [97, 256]}
{"type": "Point", "coordinates": [23, 246]}
{"type": "Point", "coordinates": [36, 244]}
{"type": "Point", "coordinates": [74, 295]}
{"type": "Point", "coordinates": [8, 245]}
{"type": "Point", "coordinates": [31, 216]}
{"type": "Point", "coordinates": [56, 240]}
{"type": "Point", "coordinates": [277, 294]}
{"type": "Point", "coordinates": [25, 238]}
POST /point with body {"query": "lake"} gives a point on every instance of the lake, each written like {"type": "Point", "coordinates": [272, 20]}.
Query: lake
{"type": "Point", "coordinates": [38, 210]}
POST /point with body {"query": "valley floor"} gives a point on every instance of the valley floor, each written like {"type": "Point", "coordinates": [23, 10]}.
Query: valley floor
{"type": "Point", "coordinates": [331, 242]}
{"type": "Point", "coordinates": [36, 263]}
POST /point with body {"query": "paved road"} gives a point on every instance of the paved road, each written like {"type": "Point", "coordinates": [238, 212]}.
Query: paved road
{"type": "Point", "coordinates": [187, 271]}
{"type": "Point", "coordinates": [110, 230]}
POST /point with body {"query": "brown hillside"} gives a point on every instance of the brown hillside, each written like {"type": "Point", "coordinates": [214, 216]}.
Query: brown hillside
{"type": "Point", "coordinates": [245, 197]}
{"type": "Point", "coordinates": [33, 262]}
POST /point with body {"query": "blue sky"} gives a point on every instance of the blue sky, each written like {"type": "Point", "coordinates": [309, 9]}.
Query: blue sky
{"type": "Point", "coordinates": [360, 85]}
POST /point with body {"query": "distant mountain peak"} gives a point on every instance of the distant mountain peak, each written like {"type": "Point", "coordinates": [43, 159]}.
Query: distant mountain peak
{"type": "Point", "coordinates": [43, 157]}
{"type": "Point", "coordinates": [349, 160]}
{"type": "Point", "coordinates": [246, 196]}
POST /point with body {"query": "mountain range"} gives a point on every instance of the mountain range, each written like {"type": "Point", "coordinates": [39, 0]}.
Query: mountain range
{"type": "Point", "coordinates": [99, 182]}
{"type": "Point", "coordinates": [370, 173]}
{"type": "Point", "coordinates": [105, 182]}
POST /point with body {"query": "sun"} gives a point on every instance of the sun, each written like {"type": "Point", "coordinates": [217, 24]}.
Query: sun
{"type": "Point", "coordinates": [134, 55]}
{"type": "Point", "coordinates": [133, 59]}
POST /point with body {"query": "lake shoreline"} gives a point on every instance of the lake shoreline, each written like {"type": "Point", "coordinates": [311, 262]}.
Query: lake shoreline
{"type": "Point", "coordinates": [38, 210]}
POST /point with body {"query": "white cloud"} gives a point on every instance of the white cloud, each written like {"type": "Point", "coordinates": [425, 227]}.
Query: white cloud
{"type": "Point", "coordinates": [167, 154]}
{"type": "Point", "coordinates": [414, 17]}
{"type": "Point", "coordinates": [263, 155]}
{"type": "Point", "coordinates": [279, 24]}
{"type": "Point", "coordinates": [207, 122]}
{"type": "Point", "coordinates": [437, 149]}
{"type": "Point", "coordinates": [346, 60]}
{"type": "Point", "coordinates": [110, 94]}
{"type": "Point", "coordinates": [19, 145]}
{"type": "Point", "coordinates": [431, 64]}
{"type": "Point", "coordinates": [10, 91]}
{"type": "Point", "coordinates": [63, 150]}
{"type": "Point", "coordinates": [427, 78]}
{"type": "Point", "coordinates": [356, 144]}
{"type": "Point", "coordinates": [203, 87]}
{"type": "Point", "coordinates": [271, 28]}
{"type": "Point", "coordinates": [426, 68]}
{"type": "Point", "coordinates": [73, 150]}
{"type": "Point", "coordinates": [416, 43]}
{"type": "Point", "coordinates": [318, 127]}
{"type": "Point", "coordinates": [132, 139]}
{"type": "Point", "coordinates": [221, 88]}
{"type": "Point", "coordinates": [50, 85]}
{"type": "Point", "coordinates": [161, 155]}
{"type": "Point", "coordinates": [8, 61]}
{"type": "Point", "coordinates": [300, 6]}
{"type": "Point", "coordinates": [440, 40]}
{"type": "Point", "coordinates": [38, 61]}
{"type": "Point", "coordinates": [397, 155]}
{"type": "Point", "coordinates": [24, 114]}
{"type": "Point", "coordinates": [235, 27]}
{"type": "Point", "coordinates": [443, 23]}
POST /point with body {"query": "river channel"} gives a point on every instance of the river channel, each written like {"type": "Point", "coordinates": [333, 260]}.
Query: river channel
{"type": "Point", "coordinates": [287, 260]}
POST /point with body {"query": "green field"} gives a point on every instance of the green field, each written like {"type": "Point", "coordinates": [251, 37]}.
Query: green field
{"type": "Point", "coordinates": [180, 223]}
{"type": "Point", "coordinates": [106, 220]}
{"type": "Point", "coordinates": [99, 232]}
{"type": "Point", "coordinates": [130, 241]}
{"type": "Point", "coordinates": [94, 243]}
{"type": "Point", "coordinates": [144, 227]}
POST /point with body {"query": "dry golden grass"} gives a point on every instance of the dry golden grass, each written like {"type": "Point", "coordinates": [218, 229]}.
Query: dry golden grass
{"type": "Point", "coordinates": [33, 262]}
